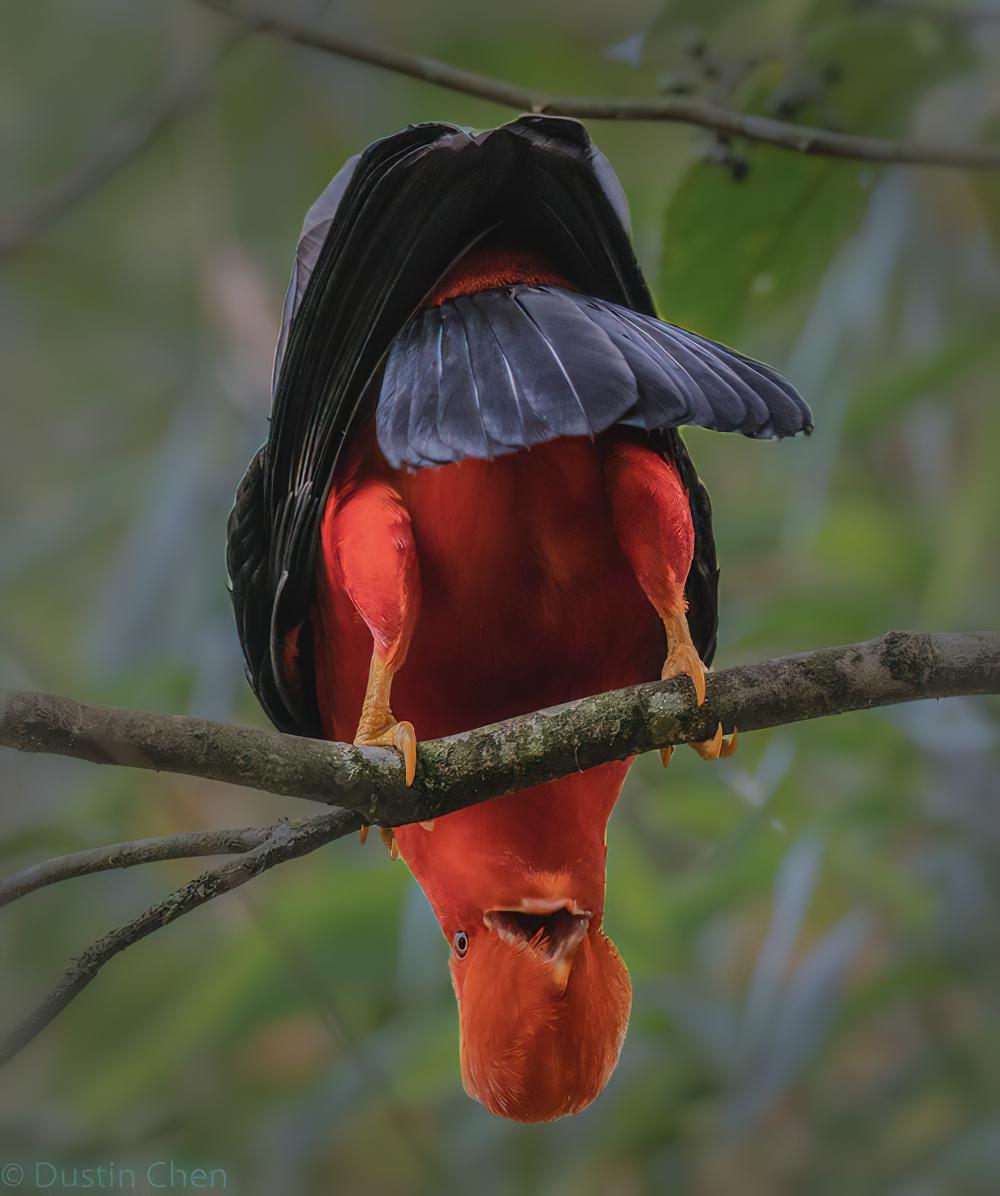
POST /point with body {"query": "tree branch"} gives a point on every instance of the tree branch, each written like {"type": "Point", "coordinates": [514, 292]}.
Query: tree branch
{"type": "Point", "coordinates": [126, 855]}
{"type": "Point", "coordinates": [455, 772]}
{"type": "Point", "coordinates": [285, 842]}
{"type": "Point", "coordinates": [528, 750]}
{"type": "Point", "coordinates": [675, 109]}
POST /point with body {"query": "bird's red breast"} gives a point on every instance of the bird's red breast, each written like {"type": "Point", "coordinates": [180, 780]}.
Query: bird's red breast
{"type": "Point", "coordinates": [528, 601]}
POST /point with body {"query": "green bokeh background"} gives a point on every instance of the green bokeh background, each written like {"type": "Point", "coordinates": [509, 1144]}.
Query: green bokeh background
{"type": "Point", "coordinates": [813, 926]}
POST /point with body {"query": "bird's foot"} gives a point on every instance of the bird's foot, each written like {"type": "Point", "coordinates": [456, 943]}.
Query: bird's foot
{"type": "Point", "coordinates": [384, 731]}
{"type": "Point", "coordinates": [389, 841]}
{"type": "Point", "coordinates": [718, 747]}
{"type": "Point", "coordinates": [683, 661]}
{"type": "Point", "coordinates": [387, 837]}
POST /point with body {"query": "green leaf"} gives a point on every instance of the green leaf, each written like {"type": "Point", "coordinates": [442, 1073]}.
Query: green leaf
{"type": "Point", "coordinates": [756, 248]}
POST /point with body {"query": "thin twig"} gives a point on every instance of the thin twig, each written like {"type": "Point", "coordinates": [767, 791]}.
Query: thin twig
{"type": "Point", "coordinates": [121, 146]}
{"type": "Point", "coordinates": [284, 843]}
{"type": "Point", "coordinates": [676, 109]}
{"type": "Point", "coordinates": [127, 855]}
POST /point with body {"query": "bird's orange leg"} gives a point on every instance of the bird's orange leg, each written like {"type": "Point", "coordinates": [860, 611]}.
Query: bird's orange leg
{"type": "Point", "coordinates": [368, 548]}
{"type": "Point", "coordinates": [652, 519]}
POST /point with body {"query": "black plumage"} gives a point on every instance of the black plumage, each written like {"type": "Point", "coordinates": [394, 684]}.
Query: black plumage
{"type": "Point", "coordinates": [489, 373]}
{"type": "Point", "coordinates": [523, 365]}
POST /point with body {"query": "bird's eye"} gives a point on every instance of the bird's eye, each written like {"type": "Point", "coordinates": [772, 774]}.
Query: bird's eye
{"type": "Point", "coordinates": [461, 944]}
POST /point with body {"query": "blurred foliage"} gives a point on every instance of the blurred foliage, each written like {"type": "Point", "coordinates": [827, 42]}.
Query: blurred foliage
{"type": "Point", "coordinates": [789, 222]}
{"type": "Point", "coordinates": [813, 928]}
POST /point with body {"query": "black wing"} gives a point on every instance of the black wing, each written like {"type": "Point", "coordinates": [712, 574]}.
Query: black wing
{"type": "Point", "coordinates": [379, 240]}
{"type": "Point", "coordinates": [490, 373]}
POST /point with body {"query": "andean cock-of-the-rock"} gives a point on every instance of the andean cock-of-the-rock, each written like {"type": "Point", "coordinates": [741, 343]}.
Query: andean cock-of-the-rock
{"type": "Point", "coordinates": [473, 503]}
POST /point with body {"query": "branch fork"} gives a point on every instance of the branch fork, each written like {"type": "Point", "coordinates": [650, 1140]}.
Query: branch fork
{"type": "Point", "coordinates": [368, 786]}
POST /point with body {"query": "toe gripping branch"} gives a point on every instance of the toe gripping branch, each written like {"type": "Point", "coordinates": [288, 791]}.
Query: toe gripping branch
{"type": "Point", "coordinates": [683, 661]}
{"type": "Point", "coordinates": [378, 727]}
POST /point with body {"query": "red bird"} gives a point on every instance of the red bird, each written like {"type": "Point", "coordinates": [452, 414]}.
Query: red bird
{"type": "Point", "coordinates": [473, 503]}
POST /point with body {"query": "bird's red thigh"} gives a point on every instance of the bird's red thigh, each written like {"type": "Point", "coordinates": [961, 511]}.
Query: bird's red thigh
{"type": "Point", "coordinates": [368, 550]}
{"type": "Point", "coordinates": [652, 521]}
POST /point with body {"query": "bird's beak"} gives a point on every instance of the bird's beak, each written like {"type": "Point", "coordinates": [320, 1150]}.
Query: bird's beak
{"type": "Point", "coordinates": [551, 929]}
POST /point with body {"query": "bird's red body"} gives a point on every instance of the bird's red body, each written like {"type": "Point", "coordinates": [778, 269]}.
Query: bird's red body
{"type": "Point", "coordinates": [474, 503]}
{"type": "Point", "coordinates": [526, 600]}
{"type": "Point", "coordinates": [520, 597]}
{"type": "Point", "coordinates": [506, 586]}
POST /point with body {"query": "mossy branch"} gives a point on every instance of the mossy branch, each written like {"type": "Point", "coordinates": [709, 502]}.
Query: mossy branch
{"type": "Point", "coordinates": [458, 771]}
{"type": "Point", "coordinates": [528, 750]}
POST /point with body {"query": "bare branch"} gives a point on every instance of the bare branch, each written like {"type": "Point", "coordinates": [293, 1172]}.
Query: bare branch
{"type": "Point", "coordinates": [285, 842]}
{"type": "Point", "coordinates": [126, 855]}
{"type": "Point", "coordinates": [528, 750]}
{"type": "Point", "coordinates": [675, 109]}
{"type": "Point", "coordinates": [123, 144]}
{"type": "Point", "coordinates": [464, 769]}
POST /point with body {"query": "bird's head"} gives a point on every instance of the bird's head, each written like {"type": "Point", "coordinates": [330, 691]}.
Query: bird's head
{"type": "Point", "coordinates": [517, 886]}
{"type": "Point", "coordinates": [543, 1002]}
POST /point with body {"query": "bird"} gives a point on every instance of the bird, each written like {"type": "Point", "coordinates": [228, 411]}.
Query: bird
{"type": "Point", "coordinates": [474, 502]}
